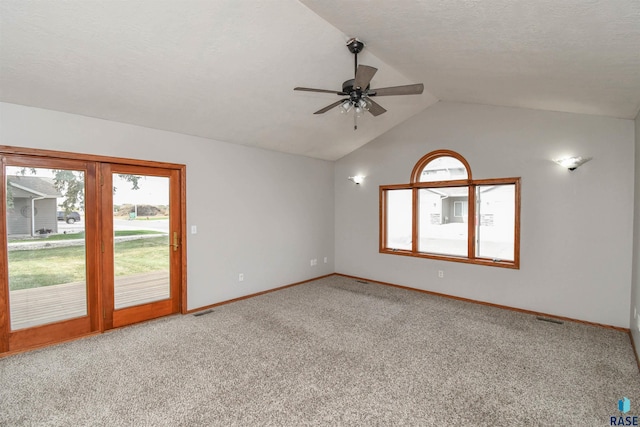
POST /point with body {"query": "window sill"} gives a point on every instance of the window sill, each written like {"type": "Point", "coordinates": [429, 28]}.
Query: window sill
{"type": "Point", "coordinates": [479, 261]}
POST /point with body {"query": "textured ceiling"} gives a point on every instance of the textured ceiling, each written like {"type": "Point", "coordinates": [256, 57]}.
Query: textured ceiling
{"type": "Point", "coordinates": [580, 56]}
{"type": "Point", "coordinates": [226, 69]}
{"type": "Point", "coordinates": [221, 69]}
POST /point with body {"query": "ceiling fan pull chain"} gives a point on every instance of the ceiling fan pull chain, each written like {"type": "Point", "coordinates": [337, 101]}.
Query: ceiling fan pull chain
{"type": "Point", "coordinates": [355, 121]}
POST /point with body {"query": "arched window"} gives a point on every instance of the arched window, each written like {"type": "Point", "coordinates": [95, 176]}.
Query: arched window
{"type": "Point", "coordinates": [441, 165]}
{"type": "Point", "coordinates": [445, 214]}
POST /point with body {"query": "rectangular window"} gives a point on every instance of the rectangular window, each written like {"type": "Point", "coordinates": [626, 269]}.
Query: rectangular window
{"type": "Point", "coordinates": [457, 209]}
{"type": "Point", "coordinates": [440, 230]}
{"type": "Point", "coordinates": [399, 219]}
{"type": "Point", "coordinates": [477, 223]}
{"type": "Point", "coordinates": [495, 228]}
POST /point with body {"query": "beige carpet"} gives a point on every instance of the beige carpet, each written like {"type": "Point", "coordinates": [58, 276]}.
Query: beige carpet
{"type": "Point", "coordinates": [329, 352]}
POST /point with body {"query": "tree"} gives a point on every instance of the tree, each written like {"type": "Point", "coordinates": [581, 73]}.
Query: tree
{"type": "Point", "coordinates": [71, 185]}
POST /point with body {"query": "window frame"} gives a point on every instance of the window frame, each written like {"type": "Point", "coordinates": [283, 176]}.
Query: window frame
{"type": "Point", "coordinates": [472, 184]}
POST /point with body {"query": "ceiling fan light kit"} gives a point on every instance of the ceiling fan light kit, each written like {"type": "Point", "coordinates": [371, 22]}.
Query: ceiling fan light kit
{"type": "Point", "coordinates": [359, 92]}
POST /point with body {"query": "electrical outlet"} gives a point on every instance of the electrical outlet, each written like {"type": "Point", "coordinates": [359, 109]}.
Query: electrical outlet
{"type": "Point", "coordinates": [325, 260]}
{"type": "Point", "coordinates": [440, 274]}
{"type": "Point", "coordinates": [194, 229]}
{"type": "Point", "coordinates": [241, 277]}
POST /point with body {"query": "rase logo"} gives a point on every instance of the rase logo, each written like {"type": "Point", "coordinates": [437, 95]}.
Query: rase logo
{"type": "Point", "coordinates": [624, 406]}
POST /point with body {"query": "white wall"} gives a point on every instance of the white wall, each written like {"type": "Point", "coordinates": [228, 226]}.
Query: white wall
{"type": "Point", "coordinates": [258, 212]}
{"type": "Point", "coordinates": [576, 233]}
{"type": "Point", "coordinates": [266, 214]}
{"type": "Point", "coordinates": [635, 290]}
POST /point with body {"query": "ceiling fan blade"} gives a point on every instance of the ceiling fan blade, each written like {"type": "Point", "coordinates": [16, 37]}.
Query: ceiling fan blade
{"type": "Point", "coordinates": [415, 89]}
{"type": "Point", "coordinates": [375, 108]}
{"type": "Point", "coordinates": [364, 74]}
{"type": "Point", "coordinates": [308, 89]}
{"type": "Point", "coordinates": [329, 107]}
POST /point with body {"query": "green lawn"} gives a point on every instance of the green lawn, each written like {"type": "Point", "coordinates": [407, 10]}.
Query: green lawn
{"type": "Point", "coordinates": [150, 218]}
{"type": "Point", "coordinates": [54, 266]}
{"type": "Point", "coordinates": [72, 236]}
{"type": "Point", "coordinates": [143, 218]}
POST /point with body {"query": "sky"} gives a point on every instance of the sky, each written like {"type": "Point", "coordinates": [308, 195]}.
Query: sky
{"type": "Point", "coordinates": [154, 190]}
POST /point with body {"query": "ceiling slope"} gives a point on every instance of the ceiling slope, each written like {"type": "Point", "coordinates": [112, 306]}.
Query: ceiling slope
{"type": "Point", "coordinates": [221, 69]}
{"type": "Point", "coordinates": [572, 55]}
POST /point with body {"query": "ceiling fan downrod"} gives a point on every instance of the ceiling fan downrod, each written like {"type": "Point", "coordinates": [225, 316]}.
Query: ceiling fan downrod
{"type": "Point", "coordinates": [355, 46]}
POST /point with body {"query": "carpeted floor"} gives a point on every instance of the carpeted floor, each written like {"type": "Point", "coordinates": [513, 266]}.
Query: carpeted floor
{"type": "Point", "coordinates": [329, 352]}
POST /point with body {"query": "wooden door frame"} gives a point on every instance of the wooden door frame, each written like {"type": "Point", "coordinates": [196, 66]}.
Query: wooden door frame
{"type": "Point", "coordinates": [148, 311]}
{"type": "Point", "coordinates": [96, 320]}
{"type": "Point", "coordinates": [4, 272]}
{"type": "Point", "coordinates": [65, 329]}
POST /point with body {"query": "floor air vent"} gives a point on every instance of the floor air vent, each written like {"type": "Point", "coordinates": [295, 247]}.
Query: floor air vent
{"type": "Point", "coordinates": [546, 319]}
{"type": "Point", "coordinates": [362, 281]}
{"type": "Point", "coordinates": [202, 313]}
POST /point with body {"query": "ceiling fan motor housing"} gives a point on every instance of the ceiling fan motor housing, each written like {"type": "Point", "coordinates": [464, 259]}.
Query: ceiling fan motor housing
{"type": "Point", "coordinates": [353, 93]}
{"type": "Point", "coordinates": [355, 46]}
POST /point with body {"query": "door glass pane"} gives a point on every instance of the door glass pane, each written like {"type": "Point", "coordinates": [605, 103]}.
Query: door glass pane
{"type": "Point", "coordinates": [141, 239]}
{"type": "Point", "coordinates": [46, 245]}
{"type": "Point", "coordinates": [398, 218]}
{"type": "Point", "coordinates": [443, 219]}
{"type": "Point", "coordinates": [495, 228]}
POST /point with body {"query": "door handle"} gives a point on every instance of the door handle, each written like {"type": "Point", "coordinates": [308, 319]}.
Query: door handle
{"type": "Point", "coordinates": [175, 241]}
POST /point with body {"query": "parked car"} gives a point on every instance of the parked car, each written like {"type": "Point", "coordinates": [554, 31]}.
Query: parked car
{"type": "Point", "coordinates": [70, 217]}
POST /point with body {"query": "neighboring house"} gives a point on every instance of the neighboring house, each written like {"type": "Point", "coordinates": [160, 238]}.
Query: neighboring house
{"type": "Point", "coordinates": [448, 204]}
{"type": "Point", "coordinates": [444, 206]}
{"type": "Point", "coordinates": [32, 205]}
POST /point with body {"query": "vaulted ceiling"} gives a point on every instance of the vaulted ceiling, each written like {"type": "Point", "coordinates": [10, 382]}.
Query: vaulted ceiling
{"type": "Point", "coordinates": [226, 69]}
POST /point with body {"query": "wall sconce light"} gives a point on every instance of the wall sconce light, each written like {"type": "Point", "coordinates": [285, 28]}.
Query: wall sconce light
{"type": "Point", "coordinates": [357, 179]}
{"type": "Point", "coordinates": [572, 163]}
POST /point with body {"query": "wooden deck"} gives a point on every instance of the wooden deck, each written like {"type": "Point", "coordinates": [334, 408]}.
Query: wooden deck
{"type": "Point", "coordinates": [37, 306]}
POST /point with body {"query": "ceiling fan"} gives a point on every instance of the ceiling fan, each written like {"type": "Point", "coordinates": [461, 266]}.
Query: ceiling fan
{"type": "Point", "coordinates": [358, 91]}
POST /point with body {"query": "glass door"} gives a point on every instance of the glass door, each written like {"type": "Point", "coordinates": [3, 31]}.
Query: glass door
{"type": "Point", "coordinates": [141, 238]}
{"type": "Point", "coordinates": [86, 244]}
{"type": "Point", "coordinates": [49, 233]}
